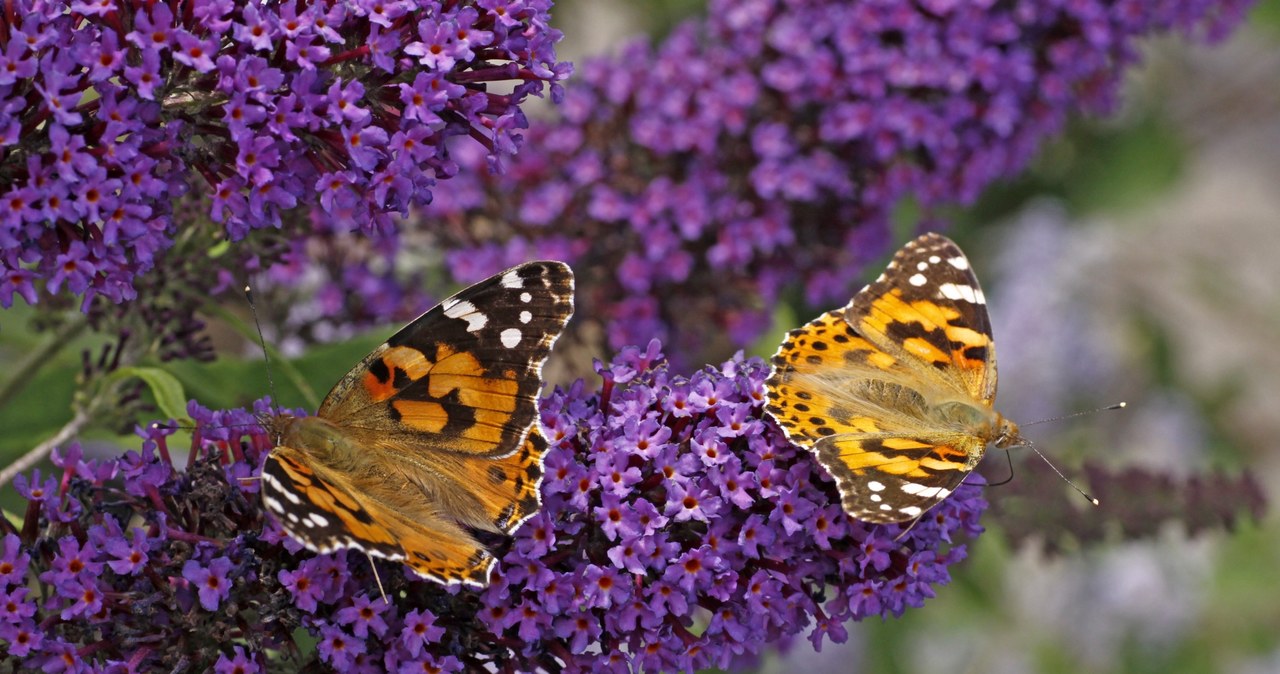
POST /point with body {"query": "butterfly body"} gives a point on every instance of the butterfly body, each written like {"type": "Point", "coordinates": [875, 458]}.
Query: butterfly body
{"type": "Point", "coordinates": [894, 393]}
{"type": "Point", "coordinates": [432, 437]}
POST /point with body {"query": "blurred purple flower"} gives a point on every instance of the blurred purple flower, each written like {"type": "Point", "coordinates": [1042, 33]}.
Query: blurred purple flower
{"type": "Point", "coordinates": [338, 648]}
{"type": "Point", "coordinates": [364, 615]}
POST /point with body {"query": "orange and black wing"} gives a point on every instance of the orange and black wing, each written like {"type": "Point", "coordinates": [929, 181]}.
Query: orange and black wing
{"type": "Point", "coordinates": [463, 377]}
{"type": "Point", "coordinates": [927, 313]}
{"type": "Point", "coordinates": [326, 511]}
{"type": "Point", "coordinates": [892, 392]}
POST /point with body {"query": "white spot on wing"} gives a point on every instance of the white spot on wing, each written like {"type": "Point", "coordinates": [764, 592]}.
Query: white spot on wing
{"type": "Point", "coordinates": [959, 262]}
{"type": "Point", "coordinates": [886, 506]}
{"type": "Point", "coordinates": [934, 259]}
{"type": "Point", "coordinates": [466, 311]}
{"type": "Point", "coordinates": [928, 492]}
{"type": "Point", "coordinates": [910, 510]}
{"type": "Point", "coordinates": [512, 280]}
{"type": "Point", "coordinates": [918, 280]}
{"type": "Point", "coordinates": [510, 337]}
{"type": "Point", "coordinates": [955, 292]}
{"type": "Point", "coordinates": [525, 317]}
{"type": "Point", "coordinates": [875, 485]}
{"type": "Point", "coordinates": [526, 298]}
{"type": "Point", "coordinates": [279, 488]}
{"type": "Point", "coordinates": [273, 505]}
{"type": "Point", "coordinates": [921, 266]}
{"type": "Point", "coordinates": [876, 498]}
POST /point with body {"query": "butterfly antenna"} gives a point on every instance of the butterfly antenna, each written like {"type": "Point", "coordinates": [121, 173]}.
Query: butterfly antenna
{"type": "Point", "coordinates": [1117, 406]}
{"type": "Point", "coordinates": [262, 341]}
{"type": "Point", "coordinates": [1064, 477]}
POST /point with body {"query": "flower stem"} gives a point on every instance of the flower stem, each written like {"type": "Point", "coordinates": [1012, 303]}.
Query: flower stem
{"type": "Point", "coordinates": [70, 430]}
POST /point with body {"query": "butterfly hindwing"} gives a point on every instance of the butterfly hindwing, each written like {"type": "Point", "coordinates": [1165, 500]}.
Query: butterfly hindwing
{"type": "Point", "coordinates": [318, 509]}
{"type": "Point", "coordinates": [885, 478]}
{"type": "Point", "coordinates": [465, 375]}
{"type": "Point", "coordinates": [827, 379]}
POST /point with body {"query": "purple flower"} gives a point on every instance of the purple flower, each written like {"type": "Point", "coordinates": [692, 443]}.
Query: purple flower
{"type": "Point", "coordinates": [13, 563]}
{"type": "Point", "coordinates": [577, 630]}
{"type": "Point", "coordinates": [875, 552]}
{"type": "Point", "coordinates": [430, 664]}
{"type": "Point", "coordinates": [303, 586]}
{"type": "Point", "coordinates": [22, 638]}
{"type": "Point", "coordinates": [419, 631]}
{"type": "Point", "coordinates": [765, 145]}
{"type": "Point", "coordinates": [130, 556]}
{"type": "Point", "coordinates": [179, 104]}
{"type": "Point", "coordinates": [210, 581]}
{"type": "Point", "coordinates": [364, 615]}
{"type": "Point", "coordinates": [240, 663]}
{"type": "Point", "coordinates": [15, 607]}
{"type": "Point", "coordinates": [686, 503]}
{"type": "Point", "coordinates": [73, 562]}
{"type": "Point", "coordinates": [338, 648]}
{"type": "Point", "coordinates": [84, 594]}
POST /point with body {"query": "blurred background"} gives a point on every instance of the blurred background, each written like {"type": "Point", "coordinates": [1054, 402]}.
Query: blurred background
{"type": "Point", "coordinates": [1134, 261]}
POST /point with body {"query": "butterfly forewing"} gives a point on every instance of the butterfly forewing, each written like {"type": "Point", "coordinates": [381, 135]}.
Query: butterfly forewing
{"type": "Point", "coordinates": [928, 312]}
{"type": "Point", "coordinates": [465, 375]}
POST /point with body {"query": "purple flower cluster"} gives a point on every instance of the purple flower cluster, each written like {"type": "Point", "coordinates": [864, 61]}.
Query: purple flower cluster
{"type": "Point", "coordinates": [108, 565]}
{"type": "Point", "coordinates": [771, 143]}
{"type": "Point", "coordinates": [679, 531]}
{"type": "Point", "coordinates": [111, 111]}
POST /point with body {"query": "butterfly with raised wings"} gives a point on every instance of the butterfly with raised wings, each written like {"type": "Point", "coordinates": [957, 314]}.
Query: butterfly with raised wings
{"type": "Point", "coordinates": [431, 438]}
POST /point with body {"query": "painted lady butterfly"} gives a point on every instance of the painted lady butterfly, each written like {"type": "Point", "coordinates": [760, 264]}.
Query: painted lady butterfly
{"type": "Point", "coordinates": [432, 437]}
{"type": "Point", "coordinates": [893, 393]}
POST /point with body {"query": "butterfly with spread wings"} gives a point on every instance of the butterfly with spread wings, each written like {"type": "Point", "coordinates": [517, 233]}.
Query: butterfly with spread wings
{"type": "Point", "coordinates": [432, 437]}
{"type": "Point", "coordinates": [894, 392]}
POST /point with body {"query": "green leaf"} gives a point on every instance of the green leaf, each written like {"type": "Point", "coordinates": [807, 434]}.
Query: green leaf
{"type": "Point", "coordinates": [219, 249]}
{"type": "Point", "coordinates": [170, 397]}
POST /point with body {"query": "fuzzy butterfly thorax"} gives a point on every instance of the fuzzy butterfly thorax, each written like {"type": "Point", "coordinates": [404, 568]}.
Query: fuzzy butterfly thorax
{"type": "Point", "coordinates": [321, 437]}
{"type": "Point", "coordinates": [433, 437]}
